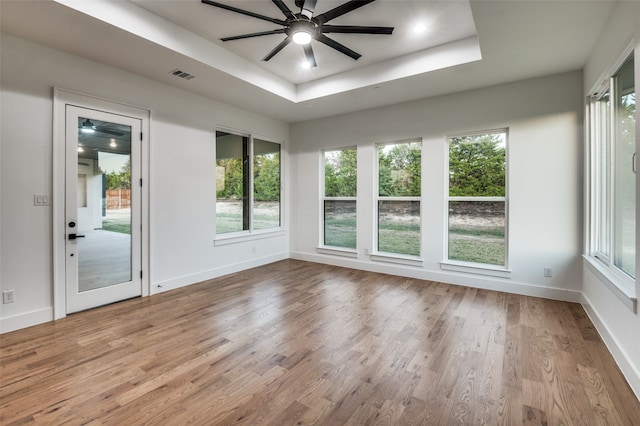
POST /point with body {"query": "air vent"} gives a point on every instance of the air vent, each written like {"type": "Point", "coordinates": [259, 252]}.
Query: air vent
{"type": "Point", "coordinates": [182, 74]}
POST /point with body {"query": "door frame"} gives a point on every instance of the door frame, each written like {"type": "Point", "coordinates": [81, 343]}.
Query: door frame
{"type": "Point", "coordinates": [62, 98]}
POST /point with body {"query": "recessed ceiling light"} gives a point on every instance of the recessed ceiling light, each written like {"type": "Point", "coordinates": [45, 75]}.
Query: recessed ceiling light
{"type": "Point", "coordinates": [306, 65]}
{"type": "Point", "coordinates": [113, 143]}
{"type": "Point", "coordinates": [419, 28]}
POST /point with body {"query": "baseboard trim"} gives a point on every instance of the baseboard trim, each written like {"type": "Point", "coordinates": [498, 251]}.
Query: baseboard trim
{"type": "Point", "coordinates": [629, 371]}
{"type": "Point", "coordinates": [25, 320]}
{"type": "Point", "coordinates": [447, 277]}
{"type": "Point", "coordinates": [185, 280]}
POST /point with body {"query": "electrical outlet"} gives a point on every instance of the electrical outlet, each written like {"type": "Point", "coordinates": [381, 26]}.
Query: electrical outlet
{"type": "Point", "coordinates": [548, 272]}
{"type": "Point", "coordinates": [8, 296]}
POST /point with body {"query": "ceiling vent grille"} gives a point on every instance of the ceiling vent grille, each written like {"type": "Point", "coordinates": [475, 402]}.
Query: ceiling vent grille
{"type": "Point", "coordinates": [182, 74]}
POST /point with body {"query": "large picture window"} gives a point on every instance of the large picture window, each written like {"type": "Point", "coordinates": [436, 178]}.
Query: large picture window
{"type": "Point", "coordinates": [398, 201]}
{"type": "Point", "coordinates": [247, 183]}
{"type": "Point", "coordinates": [613, 173]}
{"type": "Point", "coordinates": [477, 198]}
{"type": "Point", "coordinates": [339, 201]}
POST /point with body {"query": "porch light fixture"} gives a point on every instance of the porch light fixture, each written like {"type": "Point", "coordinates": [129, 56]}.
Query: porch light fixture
{"type": "Point", "coordinates": [88, 127]}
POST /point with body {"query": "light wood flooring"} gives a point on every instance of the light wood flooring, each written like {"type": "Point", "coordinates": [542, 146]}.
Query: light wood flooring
{"type": "Point", "coordinates": [295, 343]}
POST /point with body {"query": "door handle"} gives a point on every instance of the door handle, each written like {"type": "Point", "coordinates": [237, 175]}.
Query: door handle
{"type": "Point", "coordinates": [74, 236]}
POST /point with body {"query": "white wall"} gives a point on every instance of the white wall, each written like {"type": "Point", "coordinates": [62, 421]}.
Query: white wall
{"type": "Point", "coordinates": [182, 171]}
{"type": "Point", "coordinates": [616, 323]}
{"type": "Point", "coordinates": [544, 118]}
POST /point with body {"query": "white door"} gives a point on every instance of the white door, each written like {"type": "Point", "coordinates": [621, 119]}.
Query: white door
{"type": "Point", "coordinates": [102, 208]}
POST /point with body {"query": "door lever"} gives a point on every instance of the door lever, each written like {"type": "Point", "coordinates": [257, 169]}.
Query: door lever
{"type": "Point", "coordinates": [74, 236]}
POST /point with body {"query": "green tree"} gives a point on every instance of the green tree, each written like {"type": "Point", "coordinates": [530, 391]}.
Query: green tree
{"type": "Point", "coordinates": [477, 166]}
{"type": "Point", "coordinates": [121, 179]}
{"type": "Point", "coordinates": [399, 170]}
{"type": "Point", "coordinates": [266, 180]}
{"type": "Point", "coordinates": [340, 173]}
{"type": "Point", "coordinates": [233, 178]}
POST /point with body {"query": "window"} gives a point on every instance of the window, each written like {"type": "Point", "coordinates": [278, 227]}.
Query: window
{"type": "Point", "coordinates": [613, 190]}
{"type": "Point", "coordinates": [243, 163]}
{"type": "Point", "coordinates": [398, 201]}
{"type": "Point", "coordinates": [339, 202]}
{"type": "Point", "coordinates": [477, 198]}
{"type": "Point", "coordinates": [266, 184]}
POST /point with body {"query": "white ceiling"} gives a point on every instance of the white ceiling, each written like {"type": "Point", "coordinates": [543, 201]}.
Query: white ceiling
{"type": "Point", "coordinates": [447, 22]}
{"type": "Point", "coordinates": [467, 45]}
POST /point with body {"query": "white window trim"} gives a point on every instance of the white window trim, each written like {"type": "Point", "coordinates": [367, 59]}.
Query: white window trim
{"type": "Point", "coordinates": [379, 256]}
{"type": "Point", "coordinates": [337, 251]}
{"type": "Point", "coordinates": [401, 259]}
{"type": "Point", "coordinates": [243, 236]}
{"type": "Point", "coordinates": [618, 282]}
{"type": "Point", "coordinates": [598, 258]}
{"type": "Point", "coordinates": [625, 291]}
{"type": "Point", "coordinates": [474, 267]}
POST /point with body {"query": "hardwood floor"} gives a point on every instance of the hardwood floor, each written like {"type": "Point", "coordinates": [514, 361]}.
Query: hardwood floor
{"type": "Point", "coordinates": [302, 343]}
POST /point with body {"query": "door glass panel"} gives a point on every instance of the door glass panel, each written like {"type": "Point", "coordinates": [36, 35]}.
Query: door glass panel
{"type": "Point", "coordinates": [104, 207]}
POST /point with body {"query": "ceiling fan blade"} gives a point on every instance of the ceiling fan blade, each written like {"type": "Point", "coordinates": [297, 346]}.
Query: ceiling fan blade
{"type": "Point", "coordinates": [108, 131]}
{"type": "Point", "coordinates": [284, 9]}
{"type": "Point", "coordinates": [350, 29]}
{"type": "Point", "coordinates": [308, 52]}
{"type": "Point", "coordinates": [307, 8]}
{"type": "Point", "coordinates": [277, 49]}
{"type": "Point", "coordinates": [244, 12]}
{"type": "Point", "coordinates": [262, 33]}
{"type": "Point", "coordinates": [338, 46]}
{"type": "Point", "coordinates": [341, 10]}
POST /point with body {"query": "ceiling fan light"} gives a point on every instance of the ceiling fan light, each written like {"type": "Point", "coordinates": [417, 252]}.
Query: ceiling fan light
{"type": "Point", "coordinates": [301, 37]}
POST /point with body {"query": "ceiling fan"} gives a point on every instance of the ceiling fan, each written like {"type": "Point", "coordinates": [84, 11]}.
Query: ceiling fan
{"type": "Point", "coordinates": [89, 127]}
{"type": "Point", "coordinates": [303, 27]}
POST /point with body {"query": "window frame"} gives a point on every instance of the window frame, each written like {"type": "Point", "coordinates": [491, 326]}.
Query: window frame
{"type": "Point", "coordinates": [249, 204]}
{"type": "Point", "coordinates": [468, 266]}
{"type": "Point", "coordinates": [391, 257]}
{"type": "Point", "coordinates": [323, 247]}
{"type": "Point", "coordinates": [600, 170]}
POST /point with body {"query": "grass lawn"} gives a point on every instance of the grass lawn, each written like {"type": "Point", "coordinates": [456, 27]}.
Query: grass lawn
{"type": "Point", "coordinates": [340, 230]}
{"type": "Point", "coordinates": [479, 245]}
{"type": "Point", "coordinates": [231, 222]}
{"type": "Point", "coordinates": [121, 225]}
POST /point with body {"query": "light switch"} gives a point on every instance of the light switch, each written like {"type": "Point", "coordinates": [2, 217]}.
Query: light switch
{"type": "Point", "coordinates": [41, 200]}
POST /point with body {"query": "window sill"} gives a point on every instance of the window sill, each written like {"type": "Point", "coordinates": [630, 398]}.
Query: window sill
{"type": "Point", "coordinates": [476, 268]}
{"type": "Point", "coordinates": [240, 237]}
{"type": "Point", "coordinates": [396, 258]}
{"type": "Point", "coordinates": [623, 291]}
{"type": "Point", "coordinates": [338, 251]}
